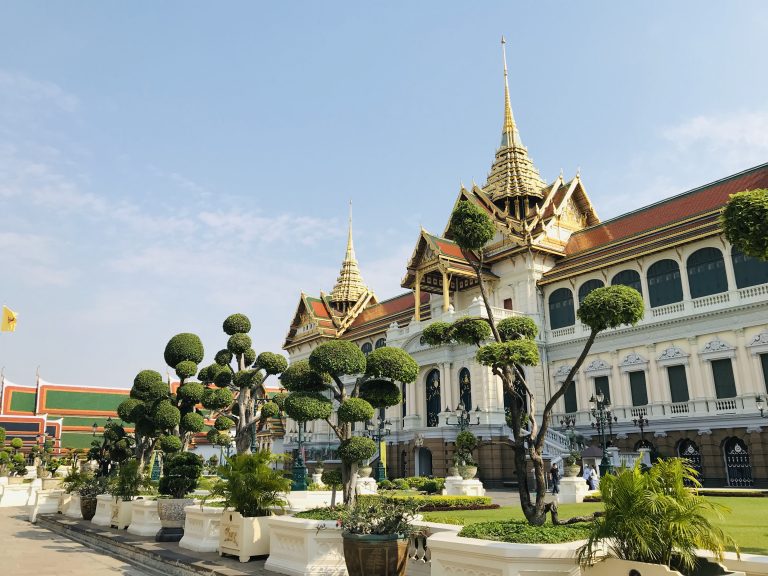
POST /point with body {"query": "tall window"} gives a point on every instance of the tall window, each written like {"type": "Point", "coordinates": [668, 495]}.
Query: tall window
{"type": "Point", "coordinates": [637, 388]}
{"type": "Point", "coordinates": [664, 286]}
{"type": "Point", "coordinates": [706, 273]}
{"type": "Point", "coordinates": [678, 383]}
{"type": "Point", "coordinates": [602, 385]}
{"type": "Point", "coordinates": [629, 278]}
{"type": "Point", "coordinates": [380, 343]}
{"type": "Point", "coordinates": [748, 271]}
{"type": "Point", "coordinates": [764, 362]}
{"type": "Point", "coordinates": [366, 348]}
{"type": "Point", "coordinates": [722, 372]}
{"type": "Point", "coordinates": [569, 397]}
{"type": "Point", "coordinates": [404, 406]}
{"type": "Point", "coordinates": [587, 287]}
{"type": "Point", "coordinates": [433, 398]}
{"type": "Point", "coordinates": [561, 312]}
{"type": "Point", "coordinates": [465, 388]}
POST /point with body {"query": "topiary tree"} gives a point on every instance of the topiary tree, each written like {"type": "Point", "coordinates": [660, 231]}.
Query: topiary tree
{"type": "Point", "coordinates": [313, 383]}
{"type": "Point", "coordinates": [745, 222]}
{"type": "Point", "coordinates": [236, 394]}
{"type": "Point", "coordinates": [512, 346]}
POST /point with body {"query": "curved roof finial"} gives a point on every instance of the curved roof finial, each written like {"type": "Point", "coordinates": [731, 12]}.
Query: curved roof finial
{"type": "Point", "coordinates": [509, 135]}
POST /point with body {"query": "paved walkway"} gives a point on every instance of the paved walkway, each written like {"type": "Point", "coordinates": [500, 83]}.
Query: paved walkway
{"type": "Point", "coordinates": [32, 551]}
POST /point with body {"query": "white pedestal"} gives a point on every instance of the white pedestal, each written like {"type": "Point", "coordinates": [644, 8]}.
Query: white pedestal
{"type": "Point", "coordinates": [73, 508]}
{"type": "Point", "coordinates": [318, 479]}
{"type": "Point", "coordinates": [201, 528]}
{"type": "Point", "coordinates": [103, 516]}
{"type": "Point", "coordinates": [144, 518]}
{"type": "Point", "coordinates": [14, 495]}
{"type": "Point", "coordinates": [572, 490]}
{"type": "Point", "coordinates": [46, 502]}
{"type": "Point", "coordinates": [457, 486]}
{"type": "Point", "coordinates": [366, 486]}
{"type": "Point", "coordinates": [37, 484]}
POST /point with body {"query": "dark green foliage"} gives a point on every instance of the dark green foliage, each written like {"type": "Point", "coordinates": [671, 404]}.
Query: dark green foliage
{"type": "Point", "coordinates": [166, 415]}
{"type": "Point", "coordinates": [299, 377]}
{"type": "Point", "coordinates": [332, 478]}
{"type": "Point", "coordinates": [279, 399]}
{"type": "Point", "coordinates": [466, 440]}
{"type": "Point", "coordinates": [113, 433]}
{"type": "Point", "coordinates": [17, 443]}
{"type": "Point", "coordinates": [249, 357]}
{"type": "Point", "coordinates": [239, 343]}
{"type": "Point", "coordinates": [2, 436]}
{"type": "Point", "coordinates": [356, 449]}
{"type": "Point", "coordinates": [204, 375]}
{"type": "Point", "coordinates": [148, 386]}
{"type": "Point", "coordinates": [386, 485]}
{"type": "Point", "coordinates": [223, 378]}
{"type": "Point", "coordinates": [180, 474]}
{"type": "Point", "coordinates": [192, 422]}
{"type": "Point", "coordinates": [269, 410]}
{"type": "Point", "coordinates": [218, 438]}
{"type": "Point", "coordinates": [307, 406]}
{"type": "Point", "coordinates": [401, 484]}
{"type": "Point", "coordinates": [222, 423]}
{"type": "Point", "coordinates": [191, 392]}
{"type": "Point", "coordinates": [236, 323]}
{"type": "Point", "coordinates": [517, 327]}
{"type": "Point", "coordinates": [392, 363]}
{"type": "Point", "coordinates": [186, 369]}
{"type": "Point", "coordinates": [470, 227]}
{"type": "Point", "coordinates": [519, 531]}
{"type": "Point", "coordinates": [128, 482]}
{"type": "Point", "coordinates": [355, 410]}
{"type": "Point", "coordinates": [379, 517]}
{"type": "Point", "coordinates": [130, 410]}
{"type": "Point", "coordinates": [170, 444]}
{"type": "Point", "coordinates": [610, 307]}
{"type": "Point", "coordinates": [522, 352]}
{"type": "Point", "coordinates": [471, 331]}
{"type": "Point", "coordinates": [247, 378]}
{"type": "Point", "coordinates": [745, 222]}
{"type": "Point", "coordinates": [337, 358]}
{"type": "Point", "coordinates": [271, 363]}
{"type": "Point", "coordinates": [183, 347]}
{"type": "Point", "coordinates": [223, 357]}
{"type": "Point", "coordinates": [380, 393]}
{"type": "Point", "coordinates": [434, 503]}
{"type": "Point", "coordinates": [438, 333]}
{"type": "Point", "coordinates": [217, 398]}
{"type": "Point", "coordinates": [252, 487]}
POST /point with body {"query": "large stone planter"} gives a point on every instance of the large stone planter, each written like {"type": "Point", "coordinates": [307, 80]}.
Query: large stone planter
{"type": "Point", "coordinates": [14, 495]}
{"type": "Point", "coordinates": [144, 518]}
{"type": "Point", "coordinates": [572, 490]}
{"type": "Point", "coordinates": [72, 507]}
{"type": "Point", "coordinates": [308, 499]}
{"type": "Point", "coordinates": [121, 514]}
{"type": "Point", "coordinates": [46, 502]}
{"type": "Point", "coordinates": [467, 472]}
{"type": "Point", "coordinates": [52, 483]}
{"type": "Point", "coordinates": [171, 512]}
{"type": "Point", "coordinates": [103, 516]}
{"type": "Point", "coordinates": [571, 470]}
{"type": "Point", "coordinates": [201, 528]}
{"type": "Point", "coordinates": [457, 486]}
{"type": "Point", "coordinates": [305, 547]}
{"type": "Point", "coordinates": [375, 554]}
{"type": "Point", "coordinates": [243, 537]}
{"type": "Point", "coordinates": [453, 555]}
{"type": "Point", "coordinates": [364, 471]}
{"type": "Point", "coordinates": [616, 567]}
{"type": "Point", "coordinates": [16, 480]}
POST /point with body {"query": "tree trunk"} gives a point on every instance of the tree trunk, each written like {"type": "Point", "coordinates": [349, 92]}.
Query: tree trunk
{"type": "Point", "coordinates": [349, 479]}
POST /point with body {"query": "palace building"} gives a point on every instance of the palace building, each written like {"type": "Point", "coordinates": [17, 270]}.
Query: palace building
{"type": "Point", "coordinates": [695, 367]}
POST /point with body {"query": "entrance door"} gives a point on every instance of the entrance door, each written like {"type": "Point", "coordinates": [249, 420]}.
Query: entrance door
{"type": "Point", "coordinates": [737, 465]}
{"type": "Point", "coordinates": [424, 462]}
{"type": "Point", "coordinates": [688, 450]}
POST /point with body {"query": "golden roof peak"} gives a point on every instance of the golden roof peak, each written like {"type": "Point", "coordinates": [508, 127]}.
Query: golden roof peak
{"type": "Point", "coordinates": [349, 285]}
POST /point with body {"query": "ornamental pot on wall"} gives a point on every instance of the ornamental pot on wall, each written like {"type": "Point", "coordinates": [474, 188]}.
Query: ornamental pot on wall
{"type": "Point", "coordinates": [364, 471]}
{"type": "Point", "coordinates": [243, 536]}
{"type": "Point", "coordinates": [375, 554]}
{"type": "Point", "coordinates": [172, 517]}
{"type": "Point", "coordinates": [571, 470]}
{"type": "Point", "coordinates": [467, 472]}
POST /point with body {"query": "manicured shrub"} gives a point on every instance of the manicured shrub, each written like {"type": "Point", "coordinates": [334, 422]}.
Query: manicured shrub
{"type": "Point", "coordinates": [186, 369]}
{"type": "Point", "coordinates": [238, 343]}
{"type": "Point", "coordinates": [497, 355]}
{"type": "Point", "coordinates": [519, 531]}
{"type": "Point", "coordinates": [337, 357]}
{"type": "Point", "coordinates": [355, 410]}
{"type": "Point", "coordinates": [236, 323]}
{"type": "Point", "coordinates": [170, 444]}
{"type": "Point", "coordinates": [299, 377]}
{"type": "Point", "coordinates": [380, 393]}
{"type": "Point", "coordinates": [130, 410]}
{"type": "Point", "coordinates": [223, 357]}
{"type": "Point", "coordinates": [181, 473]}
{"type": "Point", "coordinates": [183, 347]}
{"type": "Point", "coordinates": [745, 222]}
{"type": "Point", "coordinates": [223, 423]}
{"type": "Point", "coordinates": [327, 513]}
{"type": "Point", "coordinates": [270, 410]}
{"type": "Point", "coordinates": [332, 478]}
{"type": "Point", "coordinates": [516, 328]}
{"type": "Point", "coordinates": [611, 307]}
{"type": "Point", "coordinates": [307, 406]}
{"type": "Point", "coordinates": [470, 227]}
{"type": "Point", "coordinates": [191, 392]}
{"type": "Point", "coordinates": [401, 484]}
{"type": "Point", "coordinates": [356, 449]}
{"type": "Point", "coordinates": [249, 357]}
{"type": "Point", "coordinates": [166, 415]}
{"type": "Point", "coordinates": [192, 422]}
{"type": "Point", "coordinates": [217, 398]}
{"type": "Point", "coordinates": [393, 364]}
{"type": "Point", "coordinates": [471, 331]}
{"type": "Point", "coordinates": [271, 363]}
{"type": "Point", "coordinates": [148, 385]}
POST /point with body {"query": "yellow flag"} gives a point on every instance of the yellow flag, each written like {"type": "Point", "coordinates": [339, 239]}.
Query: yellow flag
{"type": "Point", "coordinates": [9, 320]}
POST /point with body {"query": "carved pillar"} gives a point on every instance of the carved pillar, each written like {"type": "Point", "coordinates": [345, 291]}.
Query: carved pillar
{"type": "Point", "coordinates": [657, 393]}
{"type": "Point", "coordinates": [446, 292]}
{"type": "Point", "coordinates": [729, 273]}
{"type": "Point", "coordinates": [417, 297]}
{"type": "Point", "coordinates": [699, 387]}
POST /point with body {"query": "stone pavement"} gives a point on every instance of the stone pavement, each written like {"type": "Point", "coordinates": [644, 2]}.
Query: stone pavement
{"type": "Point", "coordinates": [32, 551]}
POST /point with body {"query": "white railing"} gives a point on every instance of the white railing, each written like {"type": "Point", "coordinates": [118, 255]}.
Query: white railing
{"type": "Point", "coordinates": [638, 412]}
{"type": "Point", "coordinates": [726, 405]}
{"type": "Point", "coordinates": [752, 291]}
{"type": "Point", "coordinates": [668, 309]}
{"type": "Point", "coordinates": [501, 313]}
{"type": "Point", "coordinates": [567, 331]}
{"type": "Point", "coordinates": [679, 408]}
{"type": "Point", "coordinates": [714, 299]}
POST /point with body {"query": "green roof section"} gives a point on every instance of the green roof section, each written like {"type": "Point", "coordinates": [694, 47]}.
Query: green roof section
{"type": "Point", "coordinates": [81, 420]}
{"type": "Point", "coordinates": [77, 400]}
{"type": "Point", "coordinates": [77, 439]}
{"type": "Point", "coordinates": [23, 401]}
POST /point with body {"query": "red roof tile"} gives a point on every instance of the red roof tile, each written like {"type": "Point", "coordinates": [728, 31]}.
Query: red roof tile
{"type": "Point", "coordinates": [319, 309]}
{"type": "Point", "coordinates": [392, 306]}
{"type": "Point", "coordinates": [449, 248]}
{"type": "Point", "coordinates": [697, 201]}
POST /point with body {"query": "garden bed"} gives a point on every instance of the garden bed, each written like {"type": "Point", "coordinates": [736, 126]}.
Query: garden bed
{"type": "Point", "coordinates": [440, 503]}
{"type": "Point", "coordinates": [520, 532]}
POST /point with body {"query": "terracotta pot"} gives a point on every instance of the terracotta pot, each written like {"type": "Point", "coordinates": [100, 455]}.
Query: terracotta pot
{"type": "Point", "coordinates": [375, 554]}
{"type": "Point", "coordinates": [87, 507]}
{"type": "Point", "coordinates": [172, 517]}
{"type": "Point", "coordinates": [467, 472]}
{"type": "Point", "coordinates": [364, 471]}
{"type": "Point", "coordinates": [571, 470]}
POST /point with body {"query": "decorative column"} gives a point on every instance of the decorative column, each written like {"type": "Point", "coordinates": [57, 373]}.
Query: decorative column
{"type": "Point", "coordinates": [745, 384]}
{"type": "Point", "coordinates": [656, 392]}
{"type": "Point", "coordinates": [446, 292]}
{"type": "Point", "coordinates": [729, 273]}
{"type": "Point", "coordinates": [417, 297]}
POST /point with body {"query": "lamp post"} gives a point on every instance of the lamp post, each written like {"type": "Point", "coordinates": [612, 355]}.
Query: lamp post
{"type": "Point", "coordinates": [760, 406]}
{"type": "Point", "coordinates": [377, 432]}
{"type": "Point", "coordinates": [569, 426]}
{"type": "Point", "coordinates": [299, 468]}
{"type": "Point", "coordinates": [464, 418]}
{"type": "Point", "coordinates": [642, 422]}
{"type": "Point", "coordinates": [600, 410]}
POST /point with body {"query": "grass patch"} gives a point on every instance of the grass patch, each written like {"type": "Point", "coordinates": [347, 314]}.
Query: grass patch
{"type": "Point", "coordinates": [520, 532]}
{"type": "Point", "coordinates": [320, 513]}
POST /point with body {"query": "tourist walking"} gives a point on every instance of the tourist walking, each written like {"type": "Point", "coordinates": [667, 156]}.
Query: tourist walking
{"type": "Point", "coordinates": [593, 480]}
{"type": "Point", "coordinates": [586, 473]}
{"type": "Point", "coordinates": [554, 478]}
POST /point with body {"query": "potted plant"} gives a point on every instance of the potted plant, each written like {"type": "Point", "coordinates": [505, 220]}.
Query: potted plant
{"type": "Point", "coordinates": [364, 470]}
{"type": "Point", "coordinates": [652, 518]}
{"type": "Point", "coordinates": [571, 466]}
{"type": "Point", "coordinates": [320, 467]}
{"type": "Point", "coordinates": [465, 443]}
{"type": "Point", "coordinates": [181, 473]}
{"type": "Point", "coordinates": [251, 489]}
{"type": "Point", "coordinates": [89, 488]}
{"type": "Point", "coordinates": [376, 536]}
{"type": "Point", "coordinates": [124, 487]}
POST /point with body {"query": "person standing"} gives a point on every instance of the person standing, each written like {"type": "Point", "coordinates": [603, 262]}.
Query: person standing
{"type": "Point", "coordinates": [554, 478]}
{"type": "Point", "coordinates": [586, 473]}
{"type": "Point", "coordinates": [593, 480]}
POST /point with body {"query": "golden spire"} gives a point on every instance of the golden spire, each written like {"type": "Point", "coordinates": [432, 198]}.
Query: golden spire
{"type": "Point", "coordinates": [349, 285]}
{"type": "Point", "coordinates": [509, 135]}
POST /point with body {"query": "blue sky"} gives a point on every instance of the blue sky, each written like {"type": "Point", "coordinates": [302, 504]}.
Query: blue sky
{"type": "Point", "coordinates": [163, 165]}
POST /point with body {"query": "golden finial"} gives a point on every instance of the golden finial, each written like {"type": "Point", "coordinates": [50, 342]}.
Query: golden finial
{"type": "Point", "coordinates": [510, 135]}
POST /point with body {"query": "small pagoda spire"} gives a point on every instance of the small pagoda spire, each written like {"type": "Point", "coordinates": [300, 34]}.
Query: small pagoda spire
{"type": "Point", "coordinates": [349, 285]}
{"type": "Point", "coordinates": [509, 134]}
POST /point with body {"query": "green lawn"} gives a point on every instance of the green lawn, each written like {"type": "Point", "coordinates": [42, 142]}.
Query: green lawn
{"type": "Point", "coordinates": [746, 522]}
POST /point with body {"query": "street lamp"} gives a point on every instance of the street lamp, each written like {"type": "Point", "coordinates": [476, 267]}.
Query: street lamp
{"type": "Point", "coordinates": [377, 432]}
{"type": "Point", "coordinates": [569, 426]}
{"type": "Point", "coordinates": [464, 418]}
{"type": "Point", "coordinates": [299, 468]}
{"type": "Point", "coordinates": [600, 410]}
{"type": "Point", "coordinates": [760, 406]}
{"type": "Point", "coordinates": [642, 422]}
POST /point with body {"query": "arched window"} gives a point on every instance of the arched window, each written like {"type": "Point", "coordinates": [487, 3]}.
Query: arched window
{"type": "Point", "coordinates": [433, 398]}
{"type": "Point", "coordinates": [465, 388]}
{"type": "Point", "coordinates": [404, 406]}
{"type": "Point", "coordinates": [664, 286]}
{"type": "Point", "coordinates": [366, 348]}
{"type": "Point", "coordinates": [748, 271]}
{"type": "Point", "coordinates": [561, 312]}
{"type": "Point", "coordinates": [381, 343]}
{"type": "Point", "coordinates": [587, 287]}
{"type": "Point", "coordinates": [629, 278]}
{"type": "Point", "coordinates": [706, 273]}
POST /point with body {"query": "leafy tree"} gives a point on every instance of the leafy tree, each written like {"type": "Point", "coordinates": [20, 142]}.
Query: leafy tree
{"type": "Point", "coordinates": [372, 385]}
{"type": "Point", "coordinates": [745, 222]}
{"type": "Point", "coordinates": [236, 395]}
{"type": "Point", "coordinates": [116, 446]}
{"type": "Point", "coordinates": [512, 346]}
